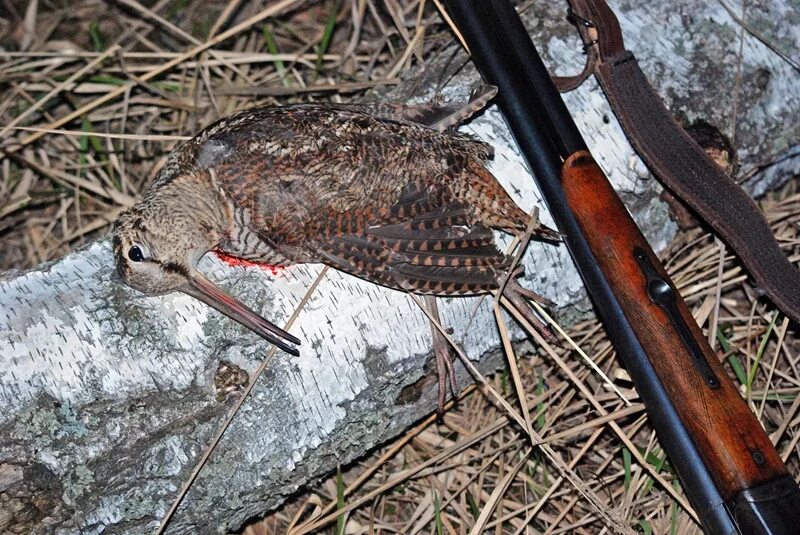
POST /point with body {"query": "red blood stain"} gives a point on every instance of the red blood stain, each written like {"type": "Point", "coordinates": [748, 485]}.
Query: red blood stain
{"type": "Point", "coordinates": [235, 261]}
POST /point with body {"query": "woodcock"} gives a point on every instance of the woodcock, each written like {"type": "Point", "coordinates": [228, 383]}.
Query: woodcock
{"type": "Point", "coordinates": [379, 192]}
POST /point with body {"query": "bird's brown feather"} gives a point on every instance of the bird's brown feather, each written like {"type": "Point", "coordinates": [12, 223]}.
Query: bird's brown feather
{"type": "Point", "coordinates": [434, 252]}
{"type": "Point", "coordinates": [387, 200]}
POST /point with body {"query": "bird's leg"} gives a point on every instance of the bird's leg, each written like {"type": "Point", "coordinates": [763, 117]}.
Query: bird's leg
{"type": "Point", "coordinates": [517, 294]}
{"type": "Point", "coordinates": [444, 356]}
{"type": "Point", "coordinates": [478, 100]}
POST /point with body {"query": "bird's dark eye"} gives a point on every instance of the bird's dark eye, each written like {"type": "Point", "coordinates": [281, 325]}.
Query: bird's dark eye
{"type": "Point", "coordinates": [135, 253]}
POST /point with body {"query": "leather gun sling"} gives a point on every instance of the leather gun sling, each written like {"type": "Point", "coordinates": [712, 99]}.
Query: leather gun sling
{"type": "Point", "coordinates": [677, 161]}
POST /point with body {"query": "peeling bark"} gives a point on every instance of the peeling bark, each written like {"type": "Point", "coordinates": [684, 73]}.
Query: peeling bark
{"type": "Point", "coordinates": [109, 397]}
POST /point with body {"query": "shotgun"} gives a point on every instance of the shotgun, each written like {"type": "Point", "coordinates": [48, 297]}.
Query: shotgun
{"type": "Point", "coordinates": [731, 472]}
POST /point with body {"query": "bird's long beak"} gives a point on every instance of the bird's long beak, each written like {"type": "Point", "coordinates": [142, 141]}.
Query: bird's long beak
{"type": "Point", "coordinates": [206, 291]}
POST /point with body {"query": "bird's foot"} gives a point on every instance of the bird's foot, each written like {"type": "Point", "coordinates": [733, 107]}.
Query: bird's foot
{"type": "Point", "coordinates": [543, 232]}
{"type": "Point", "coordinates": [443, 354]}
{"type": "Point", "coordinates": [518, 295]}
{"type": "Point", "coordinates": [445, 370]}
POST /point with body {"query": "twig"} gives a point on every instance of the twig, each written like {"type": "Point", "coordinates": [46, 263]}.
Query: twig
{"type": "Point", "coordinates": [267, 13]}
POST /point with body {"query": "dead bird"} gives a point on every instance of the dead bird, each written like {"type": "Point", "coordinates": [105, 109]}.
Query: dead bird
{"type": "Point", "coordinates": [380, 192]}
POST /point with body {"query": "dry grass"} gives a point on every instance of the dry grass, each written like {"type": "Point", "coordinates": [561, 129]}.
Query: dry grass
{"type": "Point", "coordinates": [94, 95]}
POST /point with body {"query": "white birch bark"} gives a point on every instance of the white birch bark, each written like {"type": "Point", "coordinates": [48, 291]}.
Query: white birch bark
{"type": "Point", "coordinates": [107, 397]}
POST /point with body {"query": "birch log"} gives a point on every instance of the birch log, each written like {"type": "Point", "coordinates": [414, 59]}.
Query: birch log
{"type": "Point", "coordinates": [108, 397]}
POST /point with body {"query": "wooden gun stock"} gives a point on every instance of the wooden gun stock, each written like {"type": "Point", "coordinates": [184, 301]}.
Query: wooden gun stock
{"type": "Point", "coordinates": [730, 440]}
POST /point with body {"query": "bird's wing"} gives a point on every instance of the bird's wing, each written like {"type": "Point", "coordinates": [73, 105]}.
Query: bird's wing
{"type": "Point", "coordinates": [418, 246]}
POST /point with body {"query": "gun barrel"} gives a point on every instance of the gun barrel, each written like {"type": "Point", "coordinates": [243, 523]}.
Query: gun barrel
{"type": "Point", "coordinates": [715, 443]}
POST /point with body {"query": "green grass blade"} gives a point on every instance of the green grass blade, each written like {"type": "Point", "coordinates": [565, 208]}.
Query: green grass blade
{"type": "Point", "coordinates": [673, 507]}
{"type": "Point", "coordinates": [723, 331]}
{"type": "Point", "coordinates": [437, 514]}
{"type": "Point", "coordinates": [626, 464]}
{"type": "Point", "coordinates": [98, 39]}
{"type": "Point", "coordinates": [540, 410]}
{"type": "Point", "coordinates": [738, 369]}
{"type": "Point", "coordinates": [761, 347]}
{"type": "Point", "coordinates": [272, 48]}
{"type": "Point", "coordinates": [339, 501]}
{"type": "Point", "coordinates": [474, 510]}
{"type": "Point", "coordinates": [327, 34]}
{"type": "Point", "coordinates": [83, 144]}
{"type": "Point", "coordinates": [658, 462]}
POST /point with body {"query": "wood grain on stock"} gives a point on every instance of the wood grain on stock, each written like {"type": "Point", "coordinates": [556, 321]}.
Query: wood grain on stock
{"type": "Point", "coordinates": [724, 430]}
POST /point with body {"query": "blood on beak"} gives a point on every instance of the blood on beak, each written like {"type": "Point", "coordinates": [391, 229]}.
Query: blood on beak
{"type": "Point", "coordinates": [206, 291]}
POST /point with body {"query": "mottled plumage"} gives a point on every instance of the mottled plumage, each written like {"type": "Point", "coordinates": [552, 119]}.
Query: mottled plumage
{"type": "Point", "coordinates": [393, 202]}
{"type": "Point", "coordinates": [372, 194]}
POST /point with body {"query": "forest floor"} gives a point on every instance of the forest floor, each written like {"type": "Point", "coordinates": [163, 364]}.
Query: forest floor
{"type": "Point", "coordinates": [63, 182]}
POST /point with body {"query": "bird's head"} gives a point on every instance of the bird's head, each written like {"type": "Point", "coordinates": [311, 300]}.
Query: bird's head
{"type": "Point", "coordinates": [151, 254]}
{"type": "Point", "coordinates": [157, 246]}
